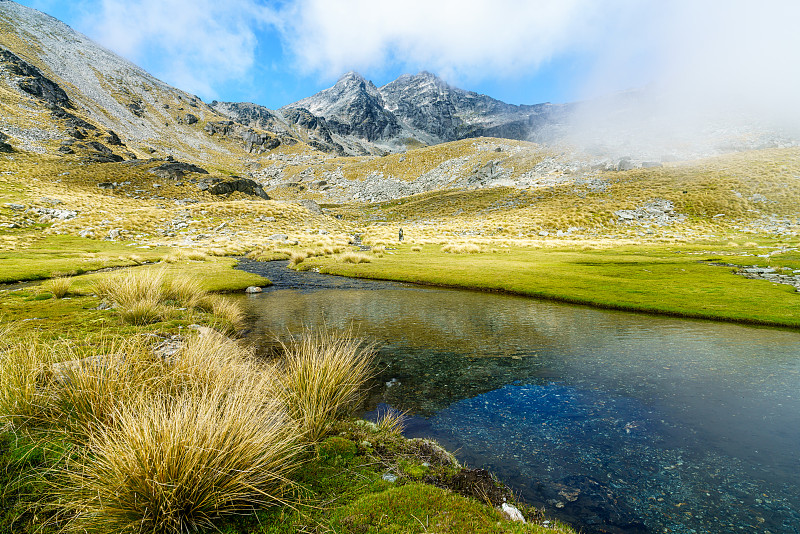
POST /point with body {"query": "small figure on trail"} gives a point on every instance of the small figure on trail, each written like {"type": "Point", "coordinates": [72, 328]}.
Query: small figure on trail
{"type": "Point", "coordinates": [400, 235]}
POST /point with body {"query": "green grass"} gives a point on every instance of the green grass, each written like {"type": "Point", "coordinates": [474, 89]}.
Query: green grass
{"type": "Point", "coordinates": [653, 279]}
{"type": "Point", "coordinates": [54, 255]}
{"type": "Point", "coordinates": [422, 508]}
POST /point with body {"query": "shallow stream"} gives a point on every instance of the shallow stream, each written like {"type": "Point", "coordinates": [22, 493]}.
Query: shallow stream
{"type": "Point", "coordinates": [615, 422]}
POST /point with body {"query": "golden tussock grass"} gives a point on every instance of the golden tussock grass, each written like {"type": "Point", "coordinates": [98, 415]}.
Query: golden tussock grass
{"type": "Point", "coordinates": [354, 257]}
{"type": "Point", "coordinates": [323, 378]}
{"type": "Point", "coordinates": [297, 257]}
{"type": "Point", "coordinates": [145, 295]}
{"type": "Point", "coordinates": [391, 421]}
{"type": "Point", "coordinates": [171, 445]}
{"type": "Point", "coordinates": [176, 464]}
{"type": "Point", "coordinates": [59, 286]}
{"type": "Point", "coordinates": [462, 248]}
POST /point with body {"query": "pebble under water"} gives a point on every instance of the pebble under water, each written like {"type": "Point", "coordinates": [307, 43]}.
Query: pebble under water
{"type": "Point", "coordinates": [614, 422]}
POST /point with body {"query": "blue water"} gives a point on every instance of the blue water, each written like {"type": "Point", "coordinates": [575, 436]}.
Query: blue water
{"type": "Point", "coordinates": [615, 422]}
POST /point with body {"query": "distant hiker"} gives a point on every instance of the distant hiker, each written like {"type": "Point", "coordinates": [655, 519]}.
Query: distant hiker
{"type": "Point", "coordinates": [400, 235]}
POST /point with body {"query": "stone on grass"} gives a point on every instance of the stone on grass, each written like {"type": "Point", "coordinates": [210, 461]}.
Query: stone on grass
{"type": "Point", "coordinates": [511, 512]}
{"type": "Point", "coordinates": [253, 289]}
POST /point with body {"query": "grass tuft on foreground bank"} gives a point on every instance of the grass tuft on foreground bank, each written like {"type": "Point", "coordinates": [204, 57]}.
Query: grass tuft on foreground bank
{"type": "Point", "coordinates": [111, 436]}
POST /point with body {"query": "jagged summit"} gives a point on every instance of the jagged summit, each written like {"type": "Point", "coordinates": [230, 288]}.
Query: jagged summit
{"type": "Point", "coordinates": [353, 106]}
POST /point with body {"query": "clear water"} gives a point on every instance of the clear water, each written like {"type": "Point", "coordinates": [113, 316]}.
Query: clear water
{"type": "Point", "coordinates": [615, 422]}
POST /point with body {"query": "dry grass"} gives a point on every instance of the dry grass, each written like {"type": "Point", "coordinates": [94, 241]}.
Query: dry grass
{"type": "Point", "coordinates": [170, 446]}
{"type": "Point", "coordinates": [391, 421]}
{"type": "Point", "coordinates": [184, 290]}
{"type": "Point", "coordinates": [354, 257]}
{"type": "Point", "coordinates": [132, 286]}
{"type": "Point", "coordinates": [324, 376]}
{"type": "Point", "coordinates": [296, 258]}
{"type": "Point", "coordinates": [23, 367]}
{"type": "Point", "coordinates": [59, 286]}
{"type": "Point", "coordinates": [228, 316]}
{"type": "Point", "coordinates": [462, 248]}
{"type": "Point", "coordinates": [175, 464]}
{"type": "Point", "coordinates": [145, 296]}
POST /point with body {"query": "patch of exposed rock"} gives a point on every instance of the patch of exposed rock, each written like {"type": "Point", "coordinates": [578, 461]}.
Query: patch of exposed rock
{"type": "Point", "coordinates": [31, 80]}
{"type": "Point", "coordinates": [658, 212]}
{"type": "Point", "coordinates": [175, 170]}
{"type": "Point", "coordinates": [253, 141]}
{"type": "Point", "coordinates": [242, 185]}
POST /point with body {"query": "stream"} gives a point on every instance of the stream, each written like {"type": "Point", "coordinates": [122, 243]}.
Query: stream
{"type": "Point", "coordinates": [612, 421]}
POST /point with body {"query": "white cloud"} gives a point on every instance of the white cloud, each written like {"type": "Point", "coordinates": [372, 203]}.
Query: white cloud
{"type": "Point", "coordinates": [193, 44]}
{"type": "Point", "coordinates": [471, 39]}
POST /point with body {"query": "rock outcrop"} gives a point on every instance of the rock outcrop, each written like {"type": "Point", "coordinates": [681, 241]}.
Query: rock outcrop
{"type": "Point", "coordinates": [175, 170]}
{"type": "Point", "coordinates": [253, 141]}
{"type": "Point", "coordinates": [31, 80]}
{"type": "Point", "coordinates": [243, 185]}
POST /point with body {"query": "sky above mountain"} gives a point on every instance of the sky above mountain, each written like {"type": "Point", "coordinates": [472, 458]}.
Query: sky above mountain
{"type": "Point", "coordinates": [274, 52]}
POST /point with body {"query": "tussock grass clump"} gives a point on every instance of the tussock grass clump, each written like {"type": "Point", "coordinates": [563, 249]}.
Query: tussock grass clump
{"type": "Point", "coordinates": [324, 375]}
{"type": "Point", "coordinates": [228, 316]}
{"type": "Point", "coordinates": [64, 386]}
{"type": "Point", "coordinates": [354, 257]}
{"type": "Point", "coordinates": [391, 421]}
{"type": "Point", "coordinates": [143, 312]}
{"type": "Point", "coordinates": [163, 446]}
{"type": "Point", "coordinates": [296, 258]}
{"type": "Point", "coordinates": [22, 369]}
{"type": "Point", "coordinates": [147, 296]}
{"type": "Point", "coordinates": [185, 291]}
{"type": "Point", "coordinates": [59, 286]}
{"type": "Point", "coordinates": [175, 464]}
{"type": "Point", "coordinates": [132, 286]}
{"type": "Point", "coordinates": [461, 248]}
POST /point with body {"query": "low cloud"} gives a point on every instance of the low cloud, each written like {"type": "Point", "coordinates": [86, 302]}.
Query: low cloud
{"type": "Point", "coordinates": [724, 75]}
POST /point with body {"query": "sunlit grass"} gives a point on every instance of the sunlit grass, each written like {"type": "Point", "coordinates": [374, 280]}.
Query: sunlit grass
{"type": "Point", "coordinates": [324, 374]}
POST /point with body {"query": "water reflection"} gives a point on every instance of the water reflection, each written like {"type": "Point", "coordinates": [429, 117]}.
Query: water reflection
{"type": "Point", "coordinates": [625, 423]}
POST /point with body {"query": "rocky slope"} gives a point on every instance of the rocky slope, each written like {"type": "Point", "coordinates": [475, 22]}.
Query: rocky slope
{"type": "Point", "coordinates": [60, 91]}
{"type": "Point", "coordinates": [426, 103]}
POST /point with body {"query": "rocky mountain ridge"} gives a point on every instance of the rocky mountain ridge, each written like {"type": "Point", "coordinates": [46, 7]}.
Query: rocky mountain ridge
{"type": "Point", "coordinates": [355, 117]}
{"type": "Point", "coordinates": [61, 92]}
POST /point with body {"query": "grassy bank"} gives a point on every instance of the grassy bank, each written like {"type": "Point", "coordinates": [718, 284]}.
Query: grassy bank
{"type": "Point", "coordinates": [101, 431]}
{"type": "Point", "coordinates": [673, 280]}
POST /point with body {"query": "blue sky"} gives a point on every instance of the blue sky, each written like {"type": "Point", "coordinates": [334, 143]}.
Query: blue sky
{"type": "Point", "coordinates": [274, 52]}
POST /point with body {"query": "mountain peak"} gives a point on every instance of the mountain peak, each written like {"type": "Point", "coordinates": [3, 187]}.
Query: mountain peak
{"type": "Point", "coordinates": [351, 76]}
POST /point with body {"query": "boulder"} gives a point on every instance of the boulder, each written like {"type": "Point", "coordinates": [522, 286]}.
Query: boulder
{"type": "Point", "coordinates": [4, 146]}
{"type": "Point", "coordinates": [175, 170]}
{"type": "Point", "coordinates": [253, 289]}
{"type": "Point", "coordinates": [311, 206]}
{"type": "Point", "coordinates": [243, 185]}
{"type": "Point", "coordinates": [511, 512]}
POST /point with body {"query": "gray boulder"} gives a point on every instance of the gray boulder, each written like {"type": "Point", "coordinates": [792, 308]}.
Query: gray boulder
{"type": "Point", "coordinates": [311, 206]}
{"type": "Point", "coordinates": [175, 170]}
{"type": "Point", "coordinates": [5, 147]}
{"type": "Point", "coordinates": [243, 185]}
